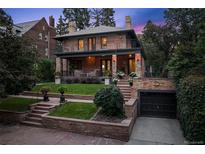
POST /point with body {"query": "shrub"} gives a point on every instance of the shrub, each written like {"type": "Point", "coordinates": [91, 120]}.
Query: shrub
{"type": "Point", "coordinates": [110, 100]}
{"type": "Point", "coordinates": [62, 89]}
{"type": "Point", "coordinates": [191, 107]}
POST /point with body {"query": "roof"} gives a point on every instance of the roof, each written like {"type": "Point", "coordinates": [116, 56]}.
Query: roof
{"type": "Point", "coordinates": [98, 53]}
{"type": "Point", "coordinates": [26, 26]}
{"type": "Point", "coordinates": [95, 30]}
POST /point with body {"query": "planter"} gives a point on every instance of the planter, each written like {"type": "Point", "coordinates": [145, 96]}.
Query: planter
{"type": "Point", "coordinates": [107, 81]}
{"type": "Point", "coordinates": [57, 80]}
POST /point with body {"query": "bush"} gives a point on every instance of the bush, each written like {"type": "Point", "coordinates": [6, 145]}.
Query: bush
{"type": "Point", "coordinates": [45, 70]}
{"type": "Point", "coordinates": [110, 100]}
{"type": "Point", "coordinates": [191, 107]}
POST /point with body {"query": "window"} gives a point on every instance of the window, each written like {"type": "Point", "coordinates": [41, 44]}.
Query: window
{"type": "Point", "coordinates": [43, 27]}
{"type": "Point", "coordinates": [40, 36]}
{"type": "Point", "coordinates": [46, 38]}
{"type": "Point", "coordinates": [81, 44]}
{"type": "Point", "coordinates": [46, 51]}
{"type": "Point", "coordinates": [91, 44]}
{"type": "Point", "coordinates": [103, 42]}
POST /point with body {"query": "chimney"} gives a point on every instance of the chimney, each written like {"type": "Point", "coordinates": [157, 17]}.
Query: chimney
{"type": "Point", "coordinates": [51, 21]}
{"type": "Point", "coordinates": [128, 22]}
{"type": "Point", "coordinates": [72, 27]}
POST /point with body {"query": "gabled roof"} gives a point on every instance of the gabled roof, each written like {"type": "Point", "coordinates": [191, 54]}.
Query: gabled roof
{"type": "Point", "coordinates": [95, 30]}
{"type": "Point", "coordinates": [26, 26]}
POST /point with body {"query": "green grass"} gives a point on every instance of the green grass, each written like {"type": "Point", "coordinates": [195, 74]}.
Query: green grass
{"type": "Point", "coordinates": [16, 104]}
{"type": "Point", "coordinates": [75, 110]}
{"type": "Point", "coordinates": [82, 89]}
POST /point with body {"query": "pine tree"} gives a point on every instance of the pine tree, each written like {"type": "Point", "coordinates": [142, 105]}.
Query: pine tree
{"type": "Point", "coordinates": [80, 15]}
{"type": "Point", "coordinates": [108, 17]}
{"type": "Point", "coordinates": [61, 27]}
{"type": "Point", "coordinates": [96, 15]}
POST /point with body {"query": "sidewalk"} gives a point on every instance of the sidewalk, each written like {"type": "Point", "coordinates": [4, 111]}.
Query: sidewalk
{"type": "Point", "coordinates": [52, 99]}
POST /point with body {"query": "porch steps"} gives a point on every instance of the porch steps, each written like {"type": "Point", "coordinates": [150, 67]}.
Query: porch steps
{"type": "Point", "coordinates": [125, 89]}
{"type": "Point", "coordinates": [34, 118]}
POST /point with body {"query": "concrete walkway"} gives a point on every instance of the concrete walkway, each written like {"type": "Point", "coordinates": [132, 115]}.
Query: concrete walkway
{"type": "Point", "coordinates": [156, 131]}
{"type": "Point", "coordinates": [54, 99]}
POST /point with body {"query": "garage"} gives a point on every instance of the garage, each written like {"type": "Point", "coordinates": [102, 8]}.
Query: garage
{"type": "Point", "coordinates": [157, 103]}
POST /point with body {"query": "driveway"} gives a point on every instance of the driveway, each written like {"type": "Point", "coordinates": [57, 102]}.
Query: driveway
{"type": "Point", "coordinates": [26, 135]}
{"type": "Point", "coordinates": [156, 131]}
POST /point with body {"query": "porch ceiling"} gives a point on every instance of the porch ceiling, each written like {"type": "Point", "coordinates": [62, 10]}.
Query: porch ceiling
{"type": "Point", "coordinates": [98, 53]}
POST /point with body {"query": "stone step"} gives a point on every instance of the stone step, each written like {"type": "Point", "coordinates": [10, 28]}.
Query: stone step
{"type": "Point", "coordinates": [31, 123]}
{"type": "Point", "coordinates": [39, 111]}
{"type": "Point", "coordinates": [45, 104]}
{"type": "Point", "coordinates": [34, 114]}
{"type": "Point", "coordinates": [39, 107]}
{"type": "Point", "coordinates": [34, 119]}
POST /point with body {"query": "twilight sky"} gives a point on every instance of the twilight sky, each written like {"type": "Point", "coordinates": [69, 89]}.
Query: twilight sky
{"type": "Point", "coordinates": [139, 16]}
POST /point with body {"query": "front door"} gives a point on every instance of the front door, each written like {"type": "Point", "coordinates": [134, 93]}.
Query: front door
{"type": "Point", "coordinates": [106, 67]}
{"type": "Point", "coordinates": [131, 65]}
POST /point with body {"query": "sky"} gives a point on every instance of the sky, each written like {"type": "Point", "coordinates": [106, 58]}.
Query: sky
{"type": "Point", "coordinates": [139, 16]}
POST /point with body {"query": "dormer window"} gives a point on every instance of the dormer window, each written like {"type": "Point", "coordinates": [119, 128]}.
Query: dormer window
{"type": "Point", "coordinates": [103, 42]}
{"type": "Point", "coordinates": [80, 44]}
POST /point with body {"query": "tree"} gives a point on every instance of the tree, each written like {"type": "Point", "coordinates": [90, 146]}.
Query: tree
{"type": "Point", "coordinates": [80, 15]}
{"type": "Point", "coordinates": [96, 15]}
{"type": "Point", "coordinates": [61, 27]}
{"type": "Point", "coordinates": [45, 70]}
{"type": "Point", "coordinates": [16, 61]}
{"type": "Point", "coordinates": [163, 39]}
{"type": "Point", "coordinates": [108, 17]}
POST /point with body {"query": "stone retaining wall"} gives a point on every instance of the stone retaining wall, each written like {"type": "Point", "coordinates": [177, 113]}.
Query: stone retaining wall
{"type": "Point", "coordinates": [120, 131]}
{"type": "Point", "coordinates": [69, 96]}
{"type": "Point", "coordinates": [12, 117]}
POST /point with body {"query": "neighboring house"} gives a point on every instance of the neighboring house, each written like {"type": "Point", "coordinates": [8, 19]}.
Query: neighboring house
{"type": "Point", "coordinates": [100, 51]}
{"type": "Point", "coordinates": [41, 34]}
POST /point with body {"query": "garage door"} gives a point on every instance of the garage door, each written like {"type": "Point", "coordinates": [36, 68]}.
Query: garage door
{"type": "Point", "coordinates": [158, 104]}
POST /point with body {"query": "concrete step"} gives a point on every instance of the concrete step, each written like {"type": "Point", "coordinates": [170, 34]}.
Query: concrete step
{"type": "Point", "coordinates": [47, 108]}
{"type": "Point", "coordinates": [34, 114]}
{"type": "Point", "coordinates": [39, 111]}
{"type": "Point", "coordinates": [44, 104]}
{"type": "Point", "coordinates": [34, 119]}
{"type": "Point", "coordinates": [31, 123]}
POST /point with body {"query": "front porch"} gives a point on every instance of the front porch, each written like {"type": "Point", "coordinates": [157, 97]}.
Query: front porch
{"type": "Point", "coordinates": [100, 65]}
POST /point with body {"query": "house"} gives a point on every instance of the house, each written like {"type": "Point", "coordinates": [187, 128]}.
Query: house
{"type": "Point", "coordinates": [100, 51]}
{"type": "Point", "coordinates": [41, 34]}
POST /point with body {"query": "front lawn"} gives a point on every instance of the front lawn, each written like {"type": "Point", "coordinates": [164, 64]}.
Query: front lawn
{"type": "Point", "coordinates": [75, 110]}
{"type": "Point", "coordinates": [82, 89]}
{"type": "Point", "coordinates": [16, 104]}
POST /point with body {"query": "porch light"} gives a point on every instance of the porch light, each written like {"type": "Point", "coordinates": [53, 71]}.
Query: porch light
{"type": "Point", "coordinates": [130, 55]}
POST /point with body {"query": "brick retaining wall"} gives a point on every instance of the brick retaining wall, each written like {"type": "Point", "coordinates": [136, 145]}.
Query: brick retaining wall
{"type": "Point", "coordinates": [120, 131]}
{"type": "Point", "coordinates": [12, 117]}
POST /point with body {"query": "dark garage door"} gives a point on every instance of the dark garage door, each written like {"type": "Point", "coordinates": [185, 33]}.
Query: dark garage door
{"type": "Point", "coordinates": [158, 104]}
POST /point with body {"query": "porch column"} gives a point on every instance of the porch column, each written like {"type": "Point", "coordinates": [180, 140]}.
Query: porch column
{"type": "Point", "coordinates": [138, 64]}
{"type": "Point", "coordinates": [114, 65]}
{"type": "Point", "coordinates": [65, 67]}
{"type": "Point", "coordinates": [58, 65]}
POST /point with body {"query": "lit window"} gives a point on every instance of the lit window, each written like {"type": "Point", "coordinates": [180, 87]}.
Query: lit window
{"type": "Point", "coordinates": [40, 36]}
{"type": "Point", "coordinates": [80, 44]}
{"type": "Point", "coordinates": [104, 42]}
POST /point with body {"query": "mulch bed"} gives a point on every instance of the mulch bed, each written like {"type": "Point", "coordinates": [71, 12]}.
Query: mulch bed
{"type": "Point", "coordinates": [101, 117]}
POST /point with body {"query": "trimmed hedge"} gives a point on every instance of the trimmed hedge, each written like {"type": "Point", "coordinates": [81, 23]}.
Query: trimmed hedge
{"type": "Point", "coordinates": [111, 100]}
{"type": "Point", "coordinates": [94, 80]}
{"type": "Point", "coordinates": [191, 107]}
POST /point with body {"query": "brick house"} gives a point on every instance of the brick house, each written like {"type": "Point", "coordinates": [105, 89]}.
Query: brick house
{"type": "Point", "coordinates": [41, 34]}
{"type": "Point", "coordinates": [100, 51]}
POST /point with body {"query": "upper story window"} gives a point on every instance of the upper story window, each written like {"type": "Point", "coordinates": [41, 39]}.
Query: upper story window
{"type": "Point", "coordinates": [46, 37]}
{"type": "Point", "coordinates": [40, 36]}
{"type": "Point", "coordinates": [91, 43]}
{"type": "Point", "coordinates": [80, 44]}
{"type": "Point", "coordinates": [43, 27]}
{"type": "Point", "coordinates": [103, 42]}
